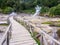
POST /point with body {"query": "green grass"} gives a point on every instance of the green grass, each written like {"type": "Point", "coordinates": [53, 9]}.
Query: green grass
{"type": "Point", "coordinates": [47, 23]}
{"type": "Point", "coordinates": [58, 25]}
{"type": "Point", "coordinates": [53, 23]}
{"type": "Point", "coordinates": [58, 21]}
{"type": "Point", "coordinates": [36, 39]}
{"type": "Point", "coordinates": [3, 24]}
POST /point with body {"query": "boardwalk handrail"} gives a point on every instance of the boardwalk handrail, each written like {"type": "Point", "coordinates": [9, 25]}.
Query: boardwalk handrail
{"type": "Point", "coordinates": [5, 36]}
{"type": "Point", "coordinates": [40, 30]}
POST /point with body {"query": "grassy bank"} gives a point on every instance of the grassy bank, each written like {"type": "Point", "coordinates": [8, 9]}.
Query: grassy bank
{"type": "Point", "coordinates": [3, 24]}
{"type": "Point", "coordinates": [53, 23]}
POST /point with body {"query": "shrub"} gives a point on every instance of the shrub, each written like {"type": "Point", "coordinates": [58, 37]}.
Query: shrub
{"type": "Point", "coordinates": [54, 11]}
{"type": "Point", "coordinates": [51, 11]}
{"type": "Point", "coordinates": [0, 10]}
{"type": "Point", "coordinates": [57, 10]}
{"type": "Point", "coordinates": [44, 10]}
{"type": "Point", "coordinates": [7, 10]}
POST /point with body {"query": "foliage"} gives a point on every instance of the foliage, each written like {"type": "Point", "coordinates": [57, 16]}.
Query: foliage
{"type": "Point", "coordinates": [36, 39]}
{"type": "Point", "coordinates": [57, 10]}
{"type": "Point", "coordinates": [48, 3]}
{"type": "Point", "coordinates": [20, 5]}
{"type": "Point", "coordinates": [44, 10]}
{"type": "Point", "coordinates": [7, 10]}
{"type": "Point", "coordinates": [53, 23]}
{"type": "Point", "coordinates": [4, 24]}
{"type": "Point", "coordinates": [47, 23]}
{"type": "Point", "coordinates": [0, 10]}
{"type": "Point", "coordinates": [51, 12]}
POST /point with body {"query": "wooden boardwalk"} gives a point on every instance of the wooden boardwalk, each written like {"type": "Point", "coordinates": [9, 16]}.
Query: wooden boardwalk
{"type": "Point", "coordinates": [20, 35]}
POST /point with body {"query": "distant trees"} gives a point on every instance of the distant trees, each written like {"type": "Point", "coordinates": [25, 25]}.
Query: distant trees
{"type": "Point", "coordinates": [48, 3]}
{"type": "Point", "coordinates": [55, 10]}
{"type": "Point", "coordinates": [12, 3]}
{"type": "Point", "coordinates": [19, 5]}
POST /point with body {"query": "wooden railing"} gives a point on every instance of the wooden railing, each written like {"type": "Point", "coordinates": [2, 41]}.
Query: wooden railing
{"type": "Point", "coordinates": [45, 39]}
{"type": "Point", "coordinates": [44, 36]}
{"type": "Point", "coordinates": [6, 36]}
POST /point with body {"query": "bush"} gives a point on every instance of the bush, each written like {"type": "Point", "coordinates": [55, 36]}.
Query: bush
{"type": "Point", "coordinates": [0, 10]}
{"type": "Point", "coordinates": [44, 10]}
{"type": "Point", "coordinates": [54, 11]}
{"type": "Point", "coordinates": [57, 10]}
{"type": "Point", "coordinates": [51, 11]}
{"type": "Point", "coordinates": [7, 10]}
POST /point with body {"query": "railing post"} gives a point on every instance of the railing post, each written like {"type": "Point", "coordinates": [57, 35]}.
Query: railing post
{"type": "Point", "coordinates": [10, 33]}
{"type": "Point", "coordinates": [7, 38]}
{"type": "Point", "coordinates": [41, 39]}
{"type": "Point", "coordinates": [31, 30]}
{"type": "Point", "coordinates": [8, 21]}
{"type": "Point", "coordinates": [24, 24]}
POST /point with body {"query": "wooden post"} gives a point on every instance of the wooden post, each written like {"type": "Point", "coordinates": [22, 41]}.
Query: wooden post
{"type": "Point", "coordinates": [24, 23]}
{"type": "Point", "coordinates": [27, 27]}
{"type": "Point", "coordinates": [41, 40]}
{"type": "Point", "coordinates": [10, 33]}
{"type": "Point", "coordinates": [8, 21]}
{"type": "Point", "coordinates": [31, 31]}
{"type": "Point", "coordinates": [8, 38]}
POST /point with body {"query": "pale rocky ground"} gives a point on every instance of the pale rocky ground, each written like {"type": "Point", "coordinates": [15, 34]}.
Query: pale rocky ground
{"type": "Point", "coordinates": [2, 30]}
{"type": "Point", "coordinates": [3, 18]}
{"type": "Point", "coordinates": [37, 20]}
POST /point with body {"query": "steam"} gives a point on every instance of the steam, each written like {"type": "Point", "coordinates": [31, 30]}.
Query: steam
{"type": "Point", "coordinates": [37, 11]}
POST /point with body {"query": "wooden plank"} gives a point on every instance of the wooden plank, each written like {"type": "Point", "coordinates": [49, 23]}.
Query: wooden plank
{"type": "Point", "coordinates": [20, 35]}
{"type": "Point", "coordinates": [23, 42]}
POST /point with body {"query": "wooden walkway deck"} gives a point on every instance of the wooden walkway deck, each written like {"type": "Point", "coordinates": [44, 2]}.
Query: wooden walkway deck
{"type": "Point", "coordinates": [20, 35]}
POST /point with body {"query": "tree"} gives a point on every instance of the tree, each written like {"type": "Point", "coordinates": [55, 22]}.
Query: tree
{"type": "Point", "coordinates": [48, 3]}
{"type": "Point", "coordinates": [57, 10]}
